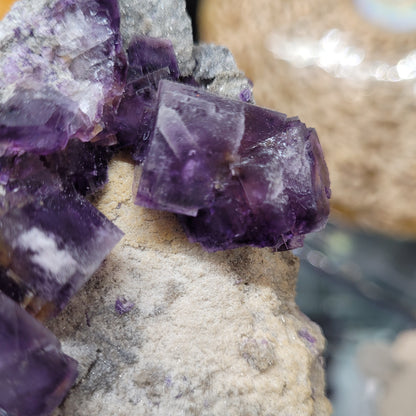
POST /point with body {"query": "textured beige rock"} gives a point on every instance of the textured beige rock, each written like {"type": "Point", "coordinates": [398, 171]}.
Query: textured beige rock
{"type": "Point", "coordinates": [210, 333]}
{"type": "Point", "coordinates": [366, 126]}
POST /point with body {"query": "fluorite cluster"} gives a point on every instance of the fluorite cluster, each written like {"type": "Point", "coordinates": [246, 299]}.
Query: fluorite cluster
{"type": "Point", "coordinates": [51, 238]}
{"type": "Point", "coordinates": [70, 97]}
{"type": "Point", "coordinates": [62, 73]}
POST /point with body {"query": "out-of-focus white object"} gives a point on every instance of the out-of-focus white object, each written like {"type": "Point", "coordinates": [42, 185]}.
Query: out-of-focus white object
{"type": "Point", "coordinates": [393, 369]}
{"type": "Point", "coordinates": [340, 57]}
{"type": "Point", "coordinates": [395, 15]}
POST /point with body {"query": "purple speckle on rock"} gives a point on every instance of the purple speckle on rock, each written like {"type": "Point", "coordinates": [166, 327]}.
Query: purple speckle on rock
{"type": "Point", "coordinates": [303, 333]}
{"type": "Point", "coordinates": [123, 305]}
{"type": "Point", "coordinates": [168, 381]}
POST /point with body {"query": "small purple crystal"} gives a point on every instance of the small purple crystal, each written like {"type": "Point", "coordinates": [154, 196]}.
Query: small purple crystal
{"type": "Point", "coordinates": [246, 95]}
{"type": "Point", "coordinates": [123, 305]}
{"type": "Point", "coordinates": [150, 60]}
{"type": "Point", "coordinates": [35, 375]}
{"type": "Point", "coordinates": [62, 74]}
{"type": "Point", "coordinates": [239, 174]}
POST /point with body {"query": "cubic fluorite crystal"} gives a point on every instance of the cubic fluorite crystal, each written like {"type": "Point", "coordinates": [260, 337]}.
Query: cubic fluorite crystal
{"type": "Point", "coordinates": [238, 174]}
{"type": "Point", "coordinates": [51, 240]}
{"type": "Point", "coordinates": [62, 73]}
{"type": "Point", "coordinates": [34, 373]}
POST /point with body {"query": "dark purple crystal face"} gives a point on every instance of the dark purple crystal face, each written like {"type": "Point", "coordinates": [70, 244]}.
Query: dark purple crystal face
{"type": "Point", "coordinates": [81, 166]}
{"type": "Point", "coordinates": [238, 174]}
{"type": "Point", "coordinates": [35, 375]}
{"type": "Point", "coordinates": [49, 64]}
{"type": "Point", "coordinates": [150, 60]}
{"type": "Point", "coordinates": [147, 55]}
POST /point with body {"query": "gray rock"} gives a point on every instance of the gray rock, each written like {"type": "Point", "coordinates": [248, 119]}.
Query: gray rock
{"type": "Point", "coordinates": [211, 61]}
{"type": "Point", "coordinates": [232, 85]}
{"type": "Point", "coordinates": [161, 19]}
{"type": "Point", "coordinates": [210, 333]}
{"type": "Point", "coordinates": [217, 70]}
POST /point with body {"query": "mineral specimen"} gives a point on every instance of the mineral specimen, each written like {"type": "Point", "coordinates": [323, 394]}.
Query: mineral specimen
{"type": "Point", "coordinates": [235, 173]}
{"type": "Point", "coordinates": [58, 51]}
{"type": "Point", "coordinates": [51, 240]}
{"type": "Point", "coordinates": [238, 174]}
{"type": "Point", "coordinates": [34, 373]}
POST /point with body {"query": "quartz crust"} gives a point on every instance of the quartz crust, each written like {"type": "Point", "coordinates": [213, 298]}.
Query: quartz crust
{"type": "Point", "coordinates": [59, 50]}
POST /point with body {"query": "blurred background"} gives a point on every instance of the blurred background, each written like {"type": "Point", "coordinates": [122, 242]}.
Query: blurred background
{"type": "Point", "coordinates": [347, 68]}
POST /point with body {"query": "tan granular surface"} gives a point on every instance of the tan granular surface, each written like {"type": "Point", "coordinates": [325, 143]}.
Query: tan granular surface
{"type": "Point", "coordinates": [367, 128]}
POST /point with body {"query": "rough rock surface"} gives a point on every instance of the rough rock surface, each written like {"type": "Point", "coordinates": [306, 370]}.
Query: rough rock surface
{"type": "Point", "coordinates": [160, 19]}
{"type": "Point", "coordinates": [209, 333]}
{"type": "Point", "coordinates": [216, 69]}
{"type": "Point", "coordinates": [354, 82]}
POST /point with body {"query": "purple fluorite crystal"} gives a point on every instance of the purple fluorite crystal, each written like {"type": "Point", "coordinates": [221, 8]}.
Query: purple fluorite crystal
{"type": "Point", "coordinates": [34, 373]}
{"type": "Point", "coordinates": [239, 174]}
{"type": "Point", "coordinates": [81, 166]}
{"type": "Point", "coordinates": [51, 240]}
{"type": "Point", "coordinates": [147, 55]}
{"type": "Point", "coordinates": [62, 73]}
{"type": "Point", "coordinates": [150, 60]}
